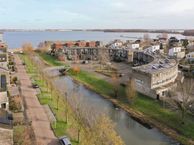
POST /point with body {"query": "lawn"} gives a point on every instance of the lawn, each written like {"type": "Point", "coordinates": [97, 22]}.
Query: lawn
{"type": "Point", "coordinates": [18, 134]}
{"type": "Point", "coordinates": [154, 109]}
{"type": "Point", "coordinates": [50, 59]}
{"type": "Point", "coordinates": [99, 85]}
{"type": "Point", "coordinates": [144, 104]}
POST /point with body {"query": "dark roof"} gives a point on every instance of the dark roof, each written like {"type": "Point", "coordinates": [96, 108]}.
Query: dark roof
{"type": "Point", "coordinates": [5, 118]}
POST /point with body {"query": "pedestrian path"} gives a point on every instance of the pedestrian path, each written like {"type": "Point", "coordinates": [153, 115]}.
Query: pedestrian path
{"type": "Point", "coordinates": [34, 110]}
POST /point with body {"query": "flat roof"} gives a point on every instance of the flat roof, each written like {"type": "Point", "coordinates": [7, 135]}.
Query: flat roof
{"type": "Point", "coordinates": [159, 64]}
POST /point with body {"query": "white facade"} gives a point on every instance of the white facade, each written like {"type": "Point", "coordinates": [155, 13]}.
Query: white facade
{"type": "Point", "coordinates": [135, 46]}
{"type": "Point", "coordinates": [116, 44]}
{"type": "Point", "coordinates": [1, 37]}
{"type": "Point", "coordinates": [190, 56]}
{"type": "Point", "coordinates": [4, 101]}
{"type": "Point", "coordinates": [153, 48]}
{"type": "Point", "coordinates": [173, 51]}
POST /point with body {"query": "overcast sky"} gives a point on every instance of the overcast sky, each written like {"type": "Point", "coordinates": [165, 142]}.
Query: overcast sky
{"type": "Point", "coordinates": [69, 14]}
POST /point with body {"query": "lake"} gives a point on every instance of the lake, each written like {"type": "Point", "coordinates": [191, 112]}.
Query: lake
{"type": "Point", "coordinates": [16, 39]}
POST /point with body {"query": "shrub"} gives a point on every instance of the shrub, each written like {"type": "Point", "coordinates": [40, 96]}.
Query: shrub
{"type": "Point", "coordinates": [14, 80]}
{"type": "Point", "coordinates": [76, 70]}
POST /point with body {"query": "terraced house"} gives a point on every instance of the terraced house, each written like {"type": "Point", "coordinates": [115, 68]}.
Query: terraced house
{"type": "Point", "coordinates": [76, 50]}
{"type": "Point", "coordinates": [4, 77]}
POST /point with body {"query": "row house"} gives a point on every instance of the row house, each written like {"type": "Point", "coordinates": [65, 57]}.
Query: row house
{"type": "Point", "coordinates": [153, 48]}
{"type": "Point", "coordinates": [76, 50]}
{"type": "Point", "coordinates": [177, 52]}
{"type": "Point", "coordinates": [116, 44]}
{"type": "Point", "coordinates": [4, 77]}
{"type": "Point", "coordinates": [132, 45]}
{"type": "Point", "coordinates": [190, 56]}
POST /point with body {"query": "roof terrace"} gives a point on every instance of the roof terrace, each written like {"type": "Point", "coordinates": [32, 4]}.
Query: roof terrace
{"type": "Point", "coordinates": [159, 64]}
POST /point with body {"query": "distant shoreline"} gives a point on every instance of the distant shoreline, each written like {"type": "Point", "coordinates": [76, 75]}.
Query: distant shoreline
{"type": "Point", "coordinates": [172, 31]}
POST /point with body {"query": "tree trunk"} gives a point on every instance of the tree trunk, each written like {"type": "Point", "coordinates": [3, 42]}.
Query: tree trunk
{"type": "Point", "coordinates": [78, 136]}
{"type": "Point", "coordinates": [66, 115]}
{"type": "Point", "coordinates": [183, 117]}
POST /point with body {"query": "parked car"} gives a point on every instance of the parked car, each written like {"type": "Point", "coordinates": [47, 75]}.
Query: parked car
{"type": "Point", "coordinates": [85, 62]}
{"type": "Point", "coordinates": [35, 86]}
{"type": "Point", "coordinates": [64, 140]}
{"type": "Point", "coordinates": [121, 75]}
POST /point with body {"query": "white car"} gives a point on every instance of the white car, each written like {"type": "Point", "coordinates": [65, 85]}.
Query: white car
{"type": "Point", "coordinates": [64, 140]}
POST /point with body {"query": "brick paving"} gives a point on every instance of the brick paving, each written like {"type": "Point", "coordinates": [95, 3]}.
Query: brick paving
{"type": "Point", "coordinates": [34, 110]}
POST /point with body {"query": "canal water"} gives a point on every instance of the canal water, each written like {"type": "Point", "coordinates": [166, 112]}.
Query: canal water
{"type": "Point", "coordinates": [132, 132]}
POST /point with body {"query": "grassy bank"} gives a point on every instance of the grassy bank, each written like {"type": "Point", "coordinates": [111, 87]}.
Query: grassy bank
{"type": "Point", "coordinates": [48, 97]}
{"type": "Point", "coordinates": [50, 59]}
{"type": "Point", "coordinates": [149, 107]}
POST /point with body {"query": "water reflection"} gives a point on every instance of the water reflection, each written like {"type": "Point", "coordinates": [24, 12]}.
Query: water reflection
{"type": "Point", "coordinates": [132, 132]}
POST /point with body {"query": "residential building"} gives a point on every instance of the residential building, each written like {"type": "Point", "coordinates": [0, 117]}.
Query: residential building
{"type": "Point", "coordinates": [6, 128]}
{"type": "Point", "coordinates": [116, 44]}
{"type": "Point", "coordinates": [76, 50]}
{"type": "Point", "coordinates": [177, 52]}
{"type": "Point", "coordinates": [3, 55]}
{"type": "Point", "coordinates": [4, 101]}
{"type": "Point", "coordinates": [133, 45]}
{"type": "Point", "coordinates": [173, 42]}
{"type": "Point", "coordinates": [153, 48]}
{"type": "Point", "coordinates": [4, 77]}
{"type": "Point", "coordinates": [1, 37]}
{"type": "Point", "coordinates": [190, 56]}
{"type": "Point", "coordinates": [155, 75]}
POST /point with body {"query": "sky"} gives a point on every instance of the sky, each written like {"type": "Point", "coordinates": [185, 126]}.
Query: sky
{"type": "Point", "coordinates": [101, 14]}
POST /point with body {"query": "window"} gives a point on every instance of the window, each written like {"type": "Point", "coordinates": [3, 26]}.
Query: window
{"type": "Point", "coordinates": [138, 81]}
{"type": "Point", "coordinates": [163, 93]}
{"type": "Point", "coordinates": [3, 106]}
{"type": "Point", "coordinates": [3, 82]}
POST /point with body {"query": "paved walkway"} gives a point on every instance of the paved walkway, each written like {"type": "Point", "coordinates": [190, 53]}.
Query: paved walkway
{"type": "Point", "coordinates": [34, 110]}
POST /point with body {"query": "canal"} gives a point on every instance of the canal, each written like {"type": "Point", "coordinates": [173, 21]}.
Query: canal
{"type": "Point", "coordinates": [131, 131]}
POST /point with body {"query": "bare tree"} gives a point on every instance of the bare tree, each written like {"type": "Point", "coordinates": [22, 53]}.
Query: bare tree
{"type": "Point", "coordinates": [165, 35]}
{"type": "Point", "coordinates": [182, 98]}
{"type": "Point", "coordinates": [44, 47]}
{"type": "Point", "coordinates": [147, 39]}
{"type": "Point", "coordinates": [65, 101]}
{"type": "Point", "coordinates": [97, 128]}
{"type": "Point", "coordinates": [103, 132]}
{"type": "Point", "coordinates": [27, 48]}
{"type": "Point", "coordinates": [103, 56]}
{"type": "Point", "coordinates": [130, 90]}
{"type": "Point", "coordinates": [115, 84]}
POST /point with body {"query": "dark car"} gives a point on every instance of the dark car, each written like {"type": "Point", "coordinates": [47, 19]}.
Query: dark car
{"type": "Point", "coordinates": [64, 140]}
{"type": "Point", "coordinates": [35, 86]}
